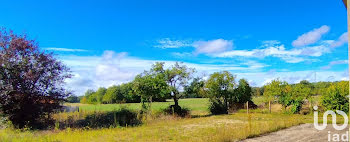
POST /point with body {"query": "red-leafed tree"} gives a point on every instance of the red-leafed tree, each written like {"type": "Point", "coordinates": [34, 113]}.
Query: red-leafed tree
{"type": "Point", "coordinates": [31, 81]}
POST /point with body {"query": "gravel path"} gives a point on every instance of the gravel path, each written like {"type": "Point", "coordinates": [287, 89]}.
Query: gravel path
{"type": "Point", "coordinates": [301, 133]}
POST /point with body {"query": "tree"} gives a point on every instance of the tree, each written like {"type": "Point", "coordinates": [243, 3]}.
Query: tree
{"type": "Point", "coordinates": [86, 97]}
{"type": "Point", "coordinates": [129, 95]}
{"type": "Point", "coordinates": [149, 85]}
{"type": "Point", "coordinates": [112, 95]}
{"type": "Point", "coordinates": [243, 92]}
{"type": "Point", "coordinates": [98, 96]}
{"type": "Point", "coordinates": [31, 81]}
{"type": "Point", "coordinates": [73, 99]}
{"type": "Point", "coordinates": [194, 90]}
{"type": "Point", "coordinates": [219, 89]}
{"type": "Point", "coordinates": [177, 77]}
{"type": "Point", "coordinates": [336, 97]}
{"type": "Point", "coordinates": [300, 92]}
{"type": "Point", "coordinates": [272, 91]}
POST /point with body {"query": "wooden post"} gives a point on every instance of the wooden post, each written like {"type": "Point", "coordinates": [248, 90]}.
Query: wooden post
{"type": "Point", "coordinates": [270, 106]}
{"type": "Point", "coordinates": [247, 107]}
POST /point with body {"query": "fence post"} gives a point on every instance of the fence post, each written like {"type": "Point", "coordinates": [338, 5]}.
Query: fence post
{"type": "Point", "coordinates": [247, 107]}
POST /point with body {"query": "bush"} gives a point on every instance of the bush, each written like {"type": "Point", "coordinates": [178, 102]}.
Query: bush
{"type": "Point", "coordinates": [296, 106]}
{"type": "Point", "coordinates": [217, 108]}
{"type": "Point", "coordinates": [335, 97]}
{"type": "Point", "coordinates": [171, 110]}
{"type": "Point", "coordinates": [122, 117]}
{"type": "Point", "coordinates": [119, 118]}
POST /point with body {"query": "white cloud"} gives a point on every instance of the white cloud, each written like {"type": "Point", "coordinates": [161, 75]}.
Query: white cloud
{"type": "Point", "coordinates": [331, 64]}
{"type": "Point", "coordinates": [341, 40]}
{"type": "Point", "coordinates": [65, 49]}
{"type": "Point", "coordinates": [275, 49]}
{"type": "Point", "coordinates": [261, 78]}
{"type": "Point", "coordinates": [212, 46]}
{"type": "Point", "coordinates": [181, 55]}
{"type": "Point", "coordinates": [167, 43]}
{"type": "Point", "coordinates": [311, 36]}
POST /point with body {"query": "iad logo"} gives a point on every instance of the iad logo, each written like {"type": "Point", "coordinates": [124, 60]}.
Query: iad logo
{"type": "Point", "coordinates": [334, 119]}
{"type": "Point", "coordinates": [335, 136]}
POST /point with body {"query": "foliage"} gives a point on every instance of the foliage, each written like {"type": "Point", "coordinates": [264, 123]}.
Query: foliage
{"type": "Point", "coordinates": [195, 89]}
{"type": "Point", "coordinates": [184, 112]}
{"type": "Point", "coordinates": [73, 99]}
{"type": "Point", "coordinates": [243, 92]}
{"type": "Point", "coordinates": [149, 85]}
{"type": "Point", "coordinates": [219, 88]}
{"type": "Point", "coordinates": [288, 95]}
{"type": "Point", "coordinates": [257, 91]}
{"type": "Point", "coordinates": [115, 94]}
{"type": "Point", "coordinates": [86, 97]}
{"type": "Point", "coordinates": [272, 90]}
{"type": "Point", "coordinates": [336, 97]}
{"type": "Point", "coordinates": [30, 81]}
{"type": "Point", "coordinates": [122, 117]}
{"type": "Point", "coordinates": [176, 77]}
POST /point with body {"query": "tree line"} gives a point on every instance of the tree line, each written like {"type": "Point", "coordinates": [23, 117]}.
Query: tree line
{"type": "Point", "coordinates": [333, 95]}
{"type": "Point", "coordinates": [176, 82]}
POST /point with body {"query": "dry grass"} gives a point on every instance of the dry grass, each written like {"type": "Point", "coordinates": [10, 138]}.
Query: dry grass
{"type": "Point", "coordinates": [214, 128]}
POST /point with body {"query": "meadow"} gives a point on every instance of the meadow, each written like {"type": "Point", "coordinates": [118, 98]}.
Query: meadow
{"type": "Point", "coordinates": [231, 127]}
{"type": "Point", "coordinates": [203, 127]}
{"type": "Point", "coordinates": [198, 106]}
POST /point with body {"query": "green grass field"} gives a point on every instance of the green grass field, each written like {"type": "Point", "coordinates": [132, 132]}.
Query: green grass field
{"type": "Point", "coordinates": [198, 106]}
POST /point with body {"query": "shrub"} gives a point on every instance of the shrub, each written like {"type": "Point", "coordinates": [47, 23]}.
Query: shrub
{"type": "Point", "coordinates": [181, 111]}
{"type": "Point", "coordinates": [217, 108]}
{"type": "Point", "coordinates": [118, 118]}
{"type": "Point", "coordinates": [122, 117]}
{"type": "Point", "coordinates": [335, 97]}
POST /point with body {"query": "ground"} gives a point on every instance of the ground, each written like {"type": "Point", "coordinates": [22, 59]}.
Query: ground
{"type": "Point", "coordinates": [231, 127]}
{"type": "Point", "coordinates": [201, 127]}
{"type": "Point", "coordinates": [302, 133]}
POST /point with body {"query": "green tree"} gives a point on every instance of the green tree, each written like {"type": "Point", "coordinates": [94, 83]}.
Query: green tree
{"type": "Point", "coordinates": [112, 95]}
{"type": "Point", "coordinates": [336, 97]}
{"type": "Point", "coordinates": [177, 77]}
{"type": "Point", "coordinates": [194, 90]}
{"type": "Point", "coordinates": [272, 90]}
{"type": "Point", "coordinates": [243, 92]}
{"type": "Point", "coordinates": [73, 99]}
{"type": "Point", "coordinates": [128, 95]}
{"type": "Point", "coordinates": [96, 97]}
{"type": "Point", "coordinates": [219, 89]}
{"type": "Point", "coordinates": [299, 93]}
{"type": "Point", "coordinates": [87, 95]}
{"type": "Point", "coordinates": [148, 86]}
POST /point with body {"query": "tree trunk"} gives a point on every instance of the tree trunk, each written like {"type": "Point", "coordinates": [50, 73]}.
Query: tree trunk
{"type": "Point", "coordinates": [226, 105]}
{"type": "Point", "coordinates": [270, 106]}
{"type": "Point", "coordinates": [176, 101]}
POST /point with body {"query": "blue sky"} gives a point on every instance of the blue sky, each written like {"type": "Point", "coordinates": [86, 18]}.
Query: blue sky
{"type": "Point", "coordinates": [109, 42]}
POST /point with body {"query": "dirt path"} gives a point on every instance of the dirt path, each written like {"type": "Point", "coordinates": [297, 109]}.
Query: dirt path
{"type": "Point", "coordinates": [301, 133]}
